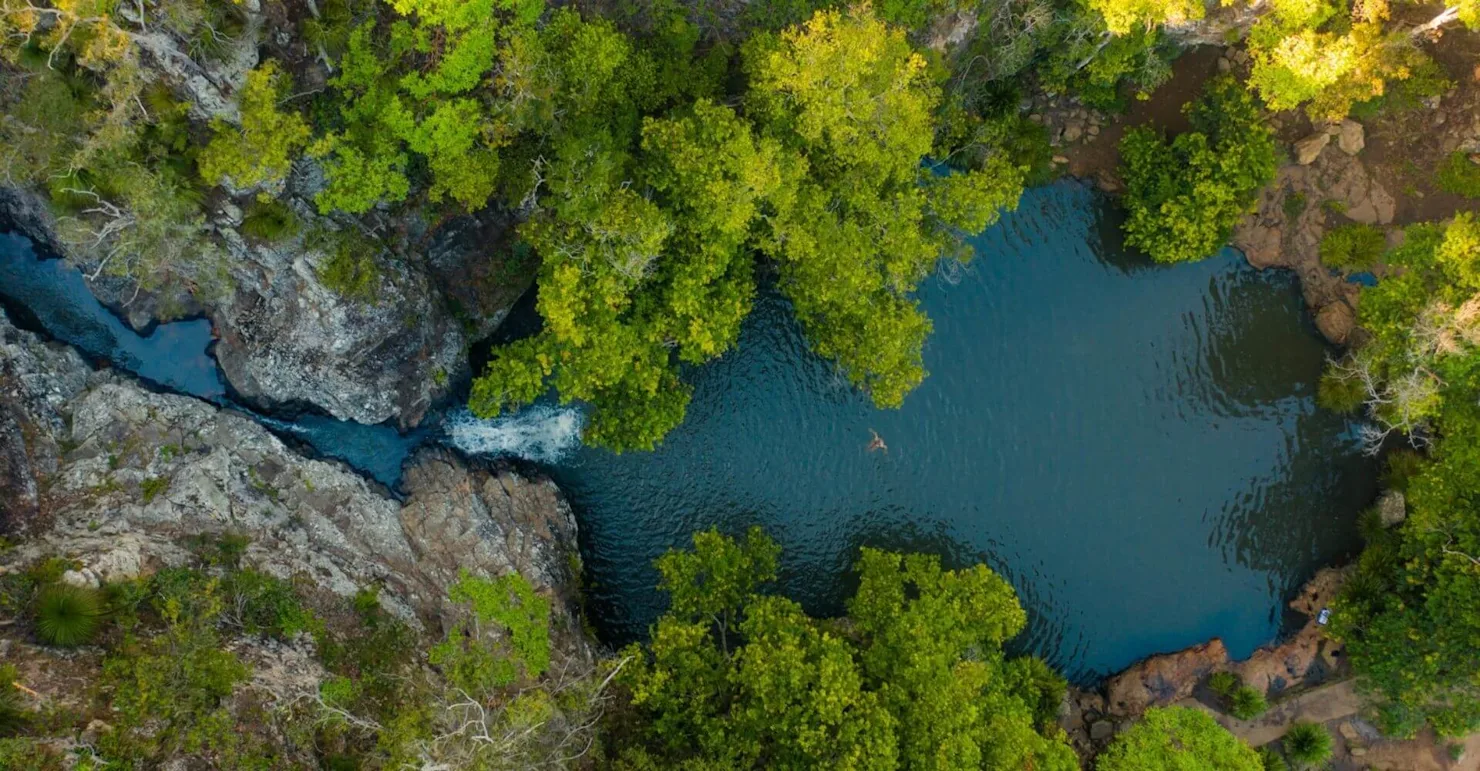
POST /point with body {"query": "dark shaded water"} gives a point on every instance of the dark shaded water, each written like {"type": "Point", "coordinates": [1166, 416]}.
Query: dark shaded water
{"type": "Point", "coordinates": [1136, 447]}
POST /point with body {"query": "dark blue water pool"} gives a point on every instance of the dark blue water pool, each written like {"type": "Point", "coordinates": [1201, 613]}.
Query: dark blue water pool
{"type": "Point", "coordinates": [1137, 447]}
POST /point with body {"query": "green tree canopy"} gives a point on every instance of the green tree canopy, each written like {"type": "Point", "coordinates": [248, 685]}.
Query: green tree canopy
{"type": "Point", "coordinates": [648, 229]}
{"type": "Point", "coordinates": [1184, 197]}
{"type": "Point", "coordinates": [914, 678]}
{"type": "Point", "coordinates": [1178, 739]}
{"type": "Point", "coordinates": [1409, 616]}
{"type": "Point", "coordinates": [261, 151]}
{"type": "Point", "coordinates": [847, 93]}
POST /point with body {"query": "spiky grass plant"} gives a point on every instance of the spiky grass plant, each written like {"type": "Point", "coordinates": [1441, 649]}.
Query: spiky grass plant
{"type": "Point", "coordinates": [1308, 744]}
{"type": "Point", "coordinates": [1247, 703]}
{"type": "Point", "coordinates": [68, 616]}
{"type": "Point", "coordinates": [1223, 683]}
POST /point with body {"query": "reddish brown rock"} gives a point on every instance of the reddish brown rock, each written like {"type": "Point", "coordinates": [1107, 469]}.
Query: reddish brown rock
{"type": "Point", "coordinates": [1162, 680]}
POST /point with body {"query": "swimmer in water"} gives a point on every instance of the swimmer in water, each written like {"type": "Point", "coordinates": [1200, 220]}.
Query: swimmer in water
{"type": "Point", "coordinates": [876, 443]}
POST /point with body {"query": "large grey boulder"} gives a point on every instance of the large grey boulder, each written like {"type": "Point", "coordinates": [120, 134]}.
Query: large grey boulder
{"type": "Point", "coordinates": [286, 338]}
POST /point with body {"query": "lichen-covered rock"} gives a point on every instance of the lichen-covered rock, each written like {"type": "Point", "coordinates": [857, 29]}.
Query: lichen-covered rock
{"type": "Point", "coordinates": [1351, 137]}
{"type": "Point", "coordinates": [1336, 321]}
{"type": "Point", "coordinates": [1392, 508]}
{"type": "Point", "coordinates": [286, 338]}
{"type": "Point", "coordinates": [36, 382]}
{"type": "Point", "coordinates": [136, 474]}
{"type": "Point", "coordinates": [1309, 148]}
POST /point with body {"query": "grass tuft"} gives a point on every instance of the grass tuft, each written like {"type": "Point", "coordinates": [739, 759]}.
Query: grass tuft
{"type": "Point", "coordinates": [68, 616]}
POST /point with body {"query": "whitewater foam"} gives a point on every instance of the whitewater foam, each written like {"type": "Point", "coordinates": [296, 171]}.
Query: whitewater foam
{"type": "Point", "coordinates": [539, 433]}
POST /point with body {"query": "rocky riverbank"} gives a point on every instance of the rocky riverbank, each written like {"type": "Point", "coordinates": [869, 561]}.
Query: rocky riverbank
{"type": "Point", "coordinates": [1304, 677]}
{"type": "Point", "coordinates": [120, 479]}
{"type": "Point", "coordinates": [288, 338]}
{"type": "Point", "coordinates": [1366, 171]}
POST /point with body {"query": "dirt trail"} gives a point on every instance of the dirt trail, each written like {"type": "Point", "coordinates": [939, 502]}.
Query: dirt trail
{"type": "Point", "coordinates": [1322, 704]}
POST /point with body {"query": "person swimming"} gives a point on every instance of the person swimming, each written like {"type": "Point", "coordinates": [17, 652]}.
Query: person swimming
{"type": "Point", "coordinates": [876, 443]}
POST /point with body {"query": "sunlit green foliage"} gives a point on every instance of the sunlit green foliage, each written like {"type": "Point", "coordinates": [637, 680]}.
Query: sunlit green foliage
{"type": "Point", "coordinates": [1123, 17]}
{"type": "Point", "coordinates": [869, 221]}
{"type": "Point", "coordinates": [261, 150]}
{"type": "Point", "coordinates": [1329, 55]}
{"type": "Point", "coordinates": [504, 608]}
{"type": "Point", "coordinates": [735, 678]}
{"type": "Point", "coordinates": [1183, 198]}
{"type": "Point", "coordinates": [646, 248]}
{"type": "Point", "coordinates": [175, 682]}
{"type": "Point", "coordinates": [1178, 739]}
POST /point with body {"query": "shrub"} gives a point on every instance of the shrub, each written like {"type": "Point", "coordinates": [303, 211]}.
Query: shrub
{"type": "Point", "coordinates": [1355, 246]}
{"type": "Point", "coordinates": [1294, 205]}
{"type": "Point", "coordinates": [13, 713]}
{"type": "Point", "coordinates": [351, 270]}
{"type": "Point", "coordinates": [262, 604]}
{"type": "Point", "coordinates": [150, 488]}
{"type": "Point", "coordinates": [1223, 683]}
{"type": "Point", "coordinates": [1247, 703]}
{"type": "Point", "coordinates": [269, 220]}
{"type": "Point", "coordinates": [1308, 744]}
{"type": "Point", "coordinates": [1460, 174]}
{"type": "Point", "coordinates": [261, 151]}
{"type": "Point", "coordinates": [1178, 738]}
{"type": "Point", "coordinates": [1273, 761]}
{"type": "Point", "coordinates": [1184, 197]}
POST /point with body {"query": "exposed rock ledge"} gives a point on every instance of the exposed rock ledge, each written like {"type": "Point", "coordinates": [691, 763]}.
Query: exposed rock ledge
{"type": "Point", "coordinates": [94, 467]}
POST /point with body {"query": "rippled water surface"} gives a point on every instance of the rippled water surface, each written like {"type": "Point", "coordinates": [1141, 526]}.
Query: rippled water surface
{"type": "Point", "coordinates": [1136, 447]}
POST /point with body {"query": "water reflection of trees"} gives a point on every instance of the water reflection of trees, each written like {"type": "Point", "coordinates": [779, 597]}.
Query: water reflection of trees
{"type": "Point", "coordinates": [1283, 521]}
{"type": "Point", "coordinates": [1259, 345]}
